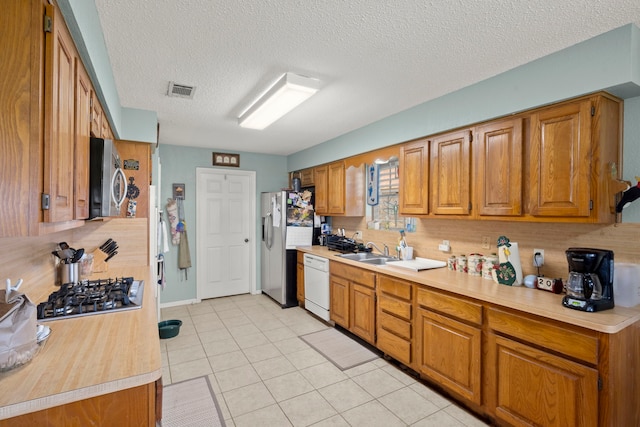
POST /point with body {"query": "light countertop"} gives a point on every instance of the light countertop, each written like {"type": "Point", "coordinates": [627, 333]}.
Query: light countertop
{"type": "Point", "coordinates": [87, 356]}
{"type": "Point", "coordinates": [531, 301]}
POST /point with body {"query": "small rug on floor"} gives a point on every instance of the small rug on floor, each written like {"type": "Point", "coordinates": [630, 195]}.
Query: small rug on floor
{"type": "Point", "coordinates": [190, 403]}
{"type": "Point", "coordinates": [338, 348]}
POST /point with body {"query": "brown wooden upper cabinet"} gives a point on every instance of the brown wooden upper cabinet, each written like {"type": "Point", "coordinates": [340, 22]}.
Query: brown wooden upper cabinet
{"type": "Point", "coordinates": [59, 140]}
{"type": "Point", "coordinates": [569, 149]}
{"type": "Point", "coordinates": [306, 177]}
{"type": "Point", "coordinates": [44, 155]}
{"type": "Point", "coordinates": [572, 148]}
{"type": "Point", "coordinates": [330, 188]}
{"type": "Point", "coordinates": [450, 173]}
{"type": "Point", "coordinates": [498, 182]}
{"type": "Point", "coordinates": [82, 140]}
{"type": "Point", "coordinates": [321, 196]}
{"type": "Point", "coordinates": [560, 160]}
{"type": "Point", "coordinates": [336, 187]}
{"type": "Point", "coordinates": [414, 178]}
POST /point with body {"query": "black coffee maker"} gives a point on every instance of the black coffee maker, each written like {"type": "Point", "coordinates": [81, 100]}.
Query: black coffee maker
{"type": "Point", "coordinates": [590, 283]}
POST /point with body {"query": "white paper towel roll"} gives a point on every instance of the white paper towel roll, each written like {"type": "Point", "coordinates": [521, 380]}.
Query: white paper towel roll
{"type": "Point", "coordinates": [514, 258]}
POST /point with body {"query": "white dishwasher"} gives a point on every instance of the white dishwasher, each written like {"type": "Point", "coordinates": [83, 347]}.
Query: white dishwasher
{"type": "Point", "coordinates": [316, 285]}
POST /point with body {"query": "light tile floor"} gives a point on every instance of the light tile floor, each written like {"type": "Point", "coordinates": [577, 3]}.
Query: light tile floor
{"type": "Point", "coordinates": [264, 375]}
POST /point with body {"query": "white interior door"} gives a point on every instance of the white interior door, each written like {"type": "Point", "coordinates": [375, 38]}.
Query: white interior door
{"type": "Point", "coordinates": [225, 230]}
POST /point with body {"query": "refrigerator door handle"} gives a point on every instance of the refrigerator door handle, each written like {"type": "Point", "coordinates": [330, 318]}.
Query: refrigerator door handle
{"type": "Point", "coordinates": [268, 230]}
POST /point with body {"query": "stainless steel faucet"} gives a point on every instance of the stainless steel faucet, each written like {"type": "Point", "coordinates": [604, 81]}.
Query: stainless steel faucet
{"type": "Point", "coordinates": [385, 252]}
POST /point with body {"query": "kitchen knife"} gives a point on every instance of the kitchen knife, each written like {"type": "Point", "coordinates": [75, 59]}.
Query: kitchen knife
{"type": "Point", "coordinates": [110, 247]}
{"type": "Point", "coordinates": [105, 244]}
{"type": "Point", "coordinates": [110, 256]}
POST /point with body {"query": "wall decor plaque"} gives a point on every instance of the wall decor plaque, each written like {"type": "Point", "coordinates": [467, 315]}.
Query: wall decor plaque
{"type": "Point", "coordinates": [226, 159]}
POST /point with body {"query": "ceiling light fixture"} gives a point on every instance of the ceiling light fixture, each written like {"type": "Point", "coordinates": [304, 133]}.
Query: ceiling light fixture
{"type": "Point", "coordinates": [283, 96]}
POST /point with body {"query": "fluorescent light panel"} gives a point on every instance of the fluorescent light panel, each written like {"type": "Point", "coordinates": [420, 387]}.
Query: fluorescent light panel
{"type": "Point", "coordinates": [283, 96]}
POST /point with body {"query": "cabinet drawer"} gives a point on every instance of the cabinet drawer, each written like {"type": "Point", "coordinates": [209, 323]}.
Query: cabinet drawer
{"type": "Point", "coordinates": [560, 339]}
{"type": "Point", "coordinates": [452, 306]}
{"type": "Point", "coordinates": [394, 346]}
{"type": "Point", "coordinates": [393, 324]}
{"type": "Point", "coordinates": [395, 287]}
{"type": "Point", "coordinates": [395, 306]}
{"type": "Point", "coordinates": [354, 274]}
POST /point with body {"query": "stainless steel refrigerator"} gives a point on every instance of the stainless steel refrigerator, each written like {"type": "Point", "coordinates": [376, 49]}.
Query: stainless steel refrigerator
{"type": "Point", "coordinates": [287, 222]}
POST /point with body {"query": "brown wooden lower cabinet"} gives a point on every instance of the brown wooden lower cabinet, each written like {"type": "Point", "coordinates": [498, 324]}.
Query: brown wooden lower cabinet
{"type": "Point", "coordinates": [131, 407]}
{"type": "Point", "coordinates": [449, 353]}
{"type": "Point", "coordinates": [362, 309]}
{"type": "Point", "coordinates": [533, 387]}
{"type": "Point", "coordinates": [300, 278]}
{"type": "Point", "coordinates": [339, 301]}
{"type": "Point", "coordinates": [517, 368]}
{"type": "Point", "coordinates": [353, 299]}
{"type": "Point", "coordinates": [393, 318]}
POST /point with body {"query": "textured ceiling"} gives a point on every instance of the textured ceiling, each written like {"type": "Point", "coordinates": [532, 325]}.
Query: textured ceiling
{"type": "Point", "coordinates": [373, 58]}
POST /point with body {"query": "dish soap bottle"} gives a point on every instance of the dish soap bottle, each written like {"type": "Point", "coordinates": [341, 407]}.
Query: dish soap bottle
{"type": "Point", "coordinates": [402, 245]}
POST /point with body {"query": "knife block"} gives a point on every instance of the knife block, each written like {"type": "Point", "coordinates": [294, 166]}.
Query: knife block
{"type": "Point", "coordinates": [99, 266]}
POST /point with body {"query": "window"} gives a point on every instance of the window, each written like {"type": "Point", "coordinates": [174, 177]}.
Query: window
{"type": "Point", "coordinates": [384, 215]}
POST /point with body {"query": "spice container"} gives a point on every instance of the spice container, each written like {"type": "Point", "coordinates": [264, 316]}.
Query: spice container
{"type": "Point", "coordinates": [451, 263]}
{"type": "Point", "coordinates": [488, 265]}
{"type": "Point", "coordinates": [461, 264]}
{"type": "Point", "coordinates": [474, 264]}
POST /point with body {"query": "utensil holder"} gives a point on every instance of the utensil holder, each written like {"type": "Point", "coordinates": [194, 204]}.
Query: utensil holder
{"type": "Point", "coordinates": [67, 273]}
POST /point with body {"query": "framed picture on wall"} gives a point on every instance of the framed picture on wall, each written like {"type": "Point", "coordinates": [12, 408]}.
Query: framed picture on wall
{"type": "Point", "coordinates": [226, 159]}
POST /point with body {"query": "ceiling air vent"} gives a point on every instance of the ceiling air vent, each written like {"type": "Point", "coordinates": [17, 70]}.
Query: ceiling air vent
{"type": "Point", "coordinates": [181, 91]}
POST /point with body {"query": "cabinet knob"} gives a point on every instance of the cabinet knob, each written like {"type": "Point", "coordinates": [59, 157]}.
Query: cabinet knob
{"type": "Point", "coordinates": [246, 240]}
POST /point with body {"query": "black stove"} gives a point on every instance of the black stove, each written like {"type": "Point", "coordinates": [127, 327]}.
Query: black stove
{"type": "Point", "coordinates": [92, 297]}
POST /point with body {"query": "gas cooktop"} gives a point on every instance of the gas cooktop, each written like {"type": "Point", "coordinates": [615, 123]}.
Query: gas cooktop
{"type": "Point", "coordinates": [90, 297]}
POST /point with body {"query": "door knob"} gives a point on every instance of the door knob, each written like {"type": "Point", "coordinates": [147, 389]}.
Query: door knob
{"type": "Point", "coordinates": [246, 240]}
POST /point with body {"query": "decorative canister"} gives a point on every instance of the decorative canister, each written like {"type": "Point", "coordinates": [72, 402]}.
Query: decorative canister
{"type": "Point", "coordinates": [490, 261]}
{"type": "Point", "coordinates": [451, 263]}
{"type": "Point", "coordinates": [461, 264]}
{"type": "Point", "coordinates": [474, 264]}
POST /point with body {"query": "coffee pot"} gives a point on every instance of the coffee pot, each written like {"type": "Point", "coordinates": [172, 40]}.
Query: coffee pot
{"type": "Point", "coordinates": [590, 282]}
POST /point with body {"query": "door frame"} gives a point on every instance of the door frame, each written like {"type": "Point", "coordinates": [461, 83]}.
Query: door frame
{"type": "Point", "coordinates": [252, 217]}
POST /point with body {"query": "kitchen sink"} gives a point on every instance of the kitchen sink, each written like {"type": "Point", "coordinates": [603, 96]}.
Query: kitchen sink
{"type": "Point", "coordinates": [378, 261]}
{"type": "Point", "coordinates": [368, 257]}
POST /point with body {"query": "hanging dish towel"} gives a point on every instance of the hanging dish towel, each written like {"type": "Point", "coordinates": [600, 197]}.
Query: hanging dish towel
{"type": "Point", "coordinates": [172, 214]}
{"type": "Point", "coordinates": [184, 256]}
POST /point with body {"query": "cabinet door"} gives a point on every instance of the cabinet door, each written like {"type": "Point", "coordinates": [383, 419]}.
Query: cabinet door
{"type": "Point", "coordinates": [339, 297]}
{"type": "Point", "coordinates": [449, 353]}
{"type": "Point", "coordinates": [336, 187]}
{"type": "Point", "coordinates": [306, 177]}
{"type": "Point", "coordinates": [533, 387]}
{"type": "Point", "coordinates": [561, 161]}
{"type": "Point", "coordinates": [96, 116]}
{"type": "Point", "coordinates": [414, 182]}
{"type": "Point", "coordinates": [300, 282]}
{"type": "Point", "coordinates": [131, 152]}
{"type": "Point", "coordinates": [20, 163]}
{"type": "Point", "coordinates": [59, 120]}
{"type": "Point", "coordinates": [362, 312]}
{"type": "Point", "coordinates": [82, 138]}
{"type": "Point", "coordinates": [499, 157]}
{"type": "Point", "coordinates": [450, 173]}
{"type": "Point", "coordinates": [320, 177]}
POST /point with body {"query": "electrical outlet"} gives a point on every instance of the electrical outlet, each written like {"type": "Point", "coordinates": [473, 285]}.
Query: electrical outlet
{"type": "Point", "coordinates": [486, 242]}
{"type": "Point", "coordinates": [538, 260]}
{"type": "Point", "coordinates": [444, 246]}
{"type": "Point", "coordinates": [358, 235]}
